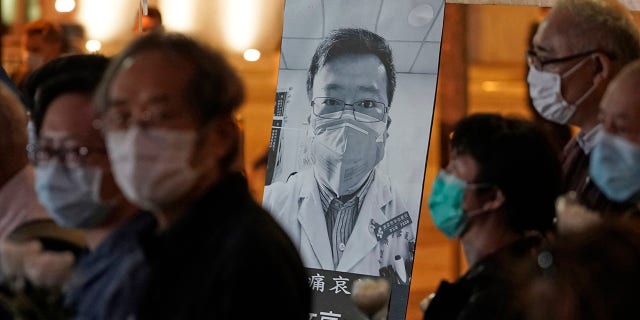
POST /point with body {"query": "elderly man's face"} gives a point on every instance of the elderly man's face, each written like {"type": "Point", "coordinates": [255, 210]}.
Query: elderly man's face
{"type": "Point", "coordinates": [552, 41]}
{"type": "Point", "coordinates": [620, 110]}
{"type": "Point", "coordinates": [151, 90]}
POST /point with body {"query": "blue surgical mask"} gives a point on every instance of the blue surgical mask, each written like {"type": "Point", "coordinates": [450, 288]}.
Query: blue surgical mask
{"type": "Point", "coordinates": [71, 195]}
{"type": "Point", "coordinates": [615, 168]}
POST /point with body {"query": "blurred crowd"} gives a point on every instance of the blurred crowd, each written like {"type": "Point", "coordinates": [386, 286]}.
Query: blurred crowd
{"type": "Point", "coordinates": [122, 195]}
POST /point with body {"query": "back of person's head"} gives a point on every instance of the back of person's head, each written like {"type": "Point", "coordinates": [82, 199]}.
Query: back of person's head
{"type": "Point", "coordinates": [601, 24]}
{"type": "Point", "coordinates": [51, 32]}
{"type": "Point", "coordinates": [70, 74]}
{"type": "Point", "coordinates": [516, 157]}
{"type": "Point", "coordinates": [13, 130]}
{"type": "Point", "coordinates": [354, 42]}
{"type": "Point", "coordinates": [154, 13]}
{"type": "Point", "coordinates": [592, 274]}
{"type": "Point", "coordinates": [214, 89]}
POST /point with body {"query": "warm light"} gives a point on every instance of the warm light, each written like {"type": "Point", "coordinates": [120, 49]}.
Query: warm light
{"type": "Point", "coordinates": [241, 23]}
{"type": "Point", "coordinates": [178, 15]}
{"type": "Point", "coordinates": [107, 20]}
{"type": "Point", "coordinates": [65, 5]}
{"type": "Point", "coordinates": [93, 45]}
{"type": "Point", "coordinates": [251, 55]}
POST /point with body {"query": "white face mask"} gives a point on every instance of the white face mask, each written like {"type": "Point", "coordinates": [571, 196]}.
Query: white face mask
{"type": "Point", "coordinates": [545, 89]}
{"type": "Point", "coordinates": [151, 166]}
{"type": "Point", "coordinates": [345, 151]}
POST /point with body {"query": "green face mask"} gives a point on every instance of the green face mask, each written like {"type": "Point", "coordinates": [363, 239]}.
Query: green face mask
{"type": "Point", "coordinates": [445, 204]}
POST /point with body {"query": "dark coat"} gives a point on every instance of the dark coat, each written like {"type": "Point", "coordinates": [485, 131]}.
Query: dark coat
{"type": "Point", "coordinates": [225, 259]}
{"type": "Point", "coordinates": [485, 291]}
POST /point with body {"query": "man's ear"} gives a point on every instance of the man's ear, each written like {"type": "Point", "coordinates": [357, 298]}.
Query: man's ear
{"type": "Point", "coordinates": [217, 140]}
{"type": "Point", "coordinates": [603, 69]}
{"type": "Point", "coordinates": [495, 202]}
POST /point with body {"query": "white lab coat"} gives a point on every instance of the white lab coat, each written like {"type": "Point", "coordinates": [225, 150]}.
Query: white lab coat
{"type": "Point", "coordinates": [296, 206]}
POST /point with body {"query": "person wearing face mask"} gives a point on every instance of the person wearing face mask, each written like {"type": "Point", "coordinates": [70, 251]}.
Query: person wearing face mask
{"type": "Point", "coordinates": [343, 213]}
{"type": "Point", "coordinates": [577, 50]}
{"type": "Point", "coordinates": [615, 160]}
{"type": "Point", "coordinates": [497, 196]}
{"type": "Point", "coordinates": [42, 41]}
{"type": "Point", "coordinates": [75, 183]}
{"type": "Point", "coordinates": [168, 106]}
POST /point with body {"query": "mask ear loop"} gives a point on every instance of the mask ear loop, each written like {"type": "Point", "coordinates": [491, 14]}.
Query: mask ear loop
{"type": "Point", "coordinates": [574, 69]}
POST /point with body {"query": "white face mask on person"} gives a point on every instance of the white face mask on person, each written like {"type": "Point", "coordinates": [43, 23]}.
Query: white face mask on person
{"type": "Point", "coordinates": [151, 166]}
{"type": "Point", "coordinates": [72, 194]}
{"type": "Point", "coordinates": [545, 89]}
{"type": "Point", "coordinates": [345, 151]}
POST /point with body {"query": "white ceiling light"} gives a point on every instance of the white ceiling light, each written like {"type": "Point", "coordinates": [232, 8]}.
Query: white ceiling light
{"type": "Point", "coordinates": [251, 55]}
{"type": "Point", "coordinates": [65, 5]}
{"type": "Point", "coordinates": [420, 16]}
{"type": "Point", "coordinates": [241, 23]}
{"type": "Point", "coordinates": [93, 46]}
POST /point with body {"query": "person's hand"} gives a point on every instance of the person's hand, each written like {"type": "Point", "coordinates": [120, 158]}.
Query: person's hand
{"type": "Point", "coordinates": [49, 269]}
{"type": "Point", "coordinates": [21, 261]}
{"type": "Point", "coordinates": [572, 216]}
{"type": "Point", "coordinates": [424, 304]}
{"type": "Point", "coordinates": [12, 255]}
{"type": "Point", "coordinates": [372, 297]}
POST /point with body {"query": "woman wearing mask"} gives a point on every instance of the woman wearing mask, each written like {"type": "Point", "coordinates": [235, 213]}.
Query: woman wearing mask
{"type": "Point", "coordinates": [497, 196]}
{"type": "Point", "coordinates": [75, 184]}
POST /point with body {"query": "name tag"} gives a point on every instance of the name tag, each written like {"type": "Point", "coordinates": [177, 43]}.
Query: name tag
{"type": "Point", "coordinates": [382, 231]}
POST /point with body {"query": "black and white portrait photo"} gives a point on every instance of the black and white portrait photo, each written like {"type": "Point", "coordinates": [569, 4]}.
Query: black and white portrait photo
{"type": "Point", "coordinates": [351, 126]}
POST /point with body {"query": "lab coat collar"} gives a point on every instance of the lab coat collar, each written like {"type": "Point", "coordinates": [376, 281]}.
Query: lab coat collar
{"type": "Point", "coordinates": [361, 241]}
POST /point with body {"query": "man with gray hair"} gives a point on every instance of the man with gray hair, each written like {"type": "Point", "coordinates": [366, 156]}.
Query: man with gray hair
{"type": "Point", "coordinates": [18, 201]}
{"type": "Point", "coordinates": [578, 48]}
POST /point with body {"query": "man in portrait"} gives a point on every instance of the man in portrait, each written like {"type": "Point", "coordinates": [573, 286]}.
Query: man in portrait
{"type": "Point", "coordinates": [343, 212]}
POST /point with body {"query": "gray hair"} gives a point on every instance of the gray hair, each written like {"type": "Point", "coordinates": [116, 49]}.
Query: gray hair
{"type": "Point", "coordinates": [214, 88]}
{"type": "Point", "coordinates": [608, 26]}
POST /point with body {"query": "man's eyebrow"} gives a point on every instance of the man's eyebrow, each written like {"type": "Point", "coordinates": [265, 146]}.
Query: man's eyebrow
{"type": "Point", "coordinates": [369, 89]}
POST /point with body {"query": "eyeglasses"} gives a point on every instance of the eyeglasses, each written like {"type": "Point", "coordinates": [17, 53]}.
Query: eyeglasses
{"type": "Point", "coordinates": [363, 110]}
{"type": "Point", "coordinates": [69, 155]}
{"type": "Point", "coordinates": [115, 119]}
{"type": "Point", "coordinates": [535, 61]}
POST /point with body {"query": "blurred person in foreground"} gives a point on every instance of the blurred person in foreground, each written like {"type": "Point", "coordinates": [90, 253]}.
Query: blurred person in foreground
{"type": "Point", "coordinates": [577, 50]}
{"type": "Point", "coordinates": [497, 196]}
{"type": "Point", "coordinates": [592, 274]}
{"type": "Point", "coordinates": [18, 200]}
{"type": "Point", "coordinates": [75, 183]}
{"type": "Point", "coordinates": [168, 104]}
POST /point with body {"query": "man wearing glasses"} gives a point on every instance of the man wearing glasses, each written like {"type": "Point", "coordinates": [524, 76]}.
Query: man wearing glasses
{"type": "Point", "coordinates": [343, 213]}
{"type": "Point", "coordinates": [579, 47]}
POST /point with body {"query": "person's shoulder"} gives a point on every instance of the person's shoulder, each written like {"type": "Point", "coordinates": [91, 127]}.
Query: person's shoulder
{"type": "Point", "coordinates": [279, 191]}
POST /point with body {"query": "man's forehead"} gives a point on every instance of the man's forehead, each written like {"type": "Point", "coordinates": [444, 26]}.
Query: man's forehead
{"type": "Point", "coordinates": [553, 34]}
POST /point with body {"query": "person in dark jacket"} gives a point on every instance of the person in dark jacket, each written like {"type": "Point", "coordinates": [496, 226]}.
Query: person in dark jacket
{"type": "Point", "coordinates": [168, 104]}
{"type": "Point", "coordinates": [497, 196]}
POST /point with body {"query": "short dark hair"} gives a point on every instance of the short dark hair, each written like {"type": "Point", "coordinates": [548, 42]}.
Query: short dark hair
{"type": "Point", "coordinates": [515, 156]}
{"type": "Point", "coordinates": [214, 89]}
{"type": "Point", "coordinates": [352, 41]}
{"type": "Point", "coordinates": [69, 74]}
